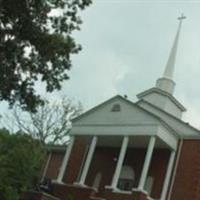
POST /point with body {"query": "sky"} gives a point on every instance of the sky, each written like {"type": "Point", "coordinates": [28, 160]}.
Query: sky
{"type": "Point", "coordinates": [126, 44]}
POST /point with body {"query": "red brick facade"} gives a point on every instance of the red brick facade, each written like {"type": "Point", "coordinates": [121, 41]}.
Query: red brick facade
{"type": "Point", "coordinates": [187, 178]}
{"type": "Point", "coordinates": [75, 161]}
{"type": "Point", "coordinates": [54, 164]}
{"type": "Point", "coordinates": [185, 186]}
{"type": "Point", "coordinates": [103, 162]}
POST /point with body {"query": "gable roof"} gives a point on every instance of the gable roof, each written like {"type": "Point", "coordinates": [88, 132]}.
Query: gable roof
{"type": "Point", "coordinates": [159, 91]}
{"type": "Point", "coordinates": [172, 117]}
{"type": "Point", "coordinates": [119, 97]}
{"type": "Point", "coordinates": [95, 108]}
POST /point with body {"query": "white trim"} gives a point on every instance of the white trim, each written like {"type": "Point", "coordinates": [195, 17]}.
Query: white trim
{"type": "Point", "coordinates": [149, 198]}
{"type": "Point", "coordinates": [116, 190]}
{"type": "Point", "coordinates": [132, 130]}
{"type": "Point", "coordinates": [149, 184]}
{"type": "Point", "coordinates": [175, 169]}
{"type": "Point", "coordinates": [120, 162]}
{"type": "Point", "coordinates": [108, 187]}
{"type": "Point", "coordinates": [147, 162]}
{"type": "Point", "coordinates": [97, 180]}
{"type": "Point", "coordinates": [138, 129]}
{"type": "Point", "coordinates": [79, 185]}
{"type": "Point", "coordinates": [140, 190]}
{"type": "Point", "coordinates": [65, 160]}
{"type": "Point", "coordinates": [82, 163]}
{"type": "Point", "coordinates": [88, 160]}
{"type": "Point", "coordinates": [168, 175]}
{"type": "Point", "coordinates": [168, 138]}
{"type": "Point", "coordinates": [56, 181]}
{"type": "Point", "coordinates": [122, 191]}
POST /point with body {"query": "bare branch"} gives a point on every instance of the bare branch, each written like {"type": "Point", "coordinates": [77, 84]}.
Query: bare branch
{"type": "Point", "coordinates": [50, 124]}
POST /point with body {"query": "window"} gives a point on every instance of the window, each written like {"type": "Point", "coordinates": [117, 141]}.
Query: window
{"type": "Point", "coordinates": [126, 179]}
{"type": "Point", "coordinates": [116, 108]}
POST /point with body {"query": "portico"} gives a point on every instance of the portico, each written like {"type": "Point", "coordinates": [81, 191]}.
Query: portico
{"type": "Point", "coordinates": [137, 151]}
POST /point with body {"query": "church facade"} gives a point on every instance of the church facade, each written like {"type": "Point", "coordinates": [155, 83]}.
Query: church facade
{"type": "Point", "coordinates": [124, 150]}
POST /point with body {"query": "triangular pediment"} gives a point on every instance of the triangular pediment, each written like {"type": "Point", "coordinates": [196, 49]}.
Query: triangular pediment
{"type": "Point", "coordinates": [116, 111]}
{"type": "Point", "coordinates": [118, 116]}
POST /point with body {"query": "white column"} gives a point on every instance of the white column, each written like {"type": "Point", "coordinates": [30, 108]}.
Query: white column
{"type": "Point", "coordinates": [147, 162]}
{"type": "Point", "coordinates": [168, 175]}
{"type": "Point", "coordinates": [65, 160]}
{"type": "Point", "coordinates": [120, 162]}
{"type": "Point", "coordinates": [88, 160]}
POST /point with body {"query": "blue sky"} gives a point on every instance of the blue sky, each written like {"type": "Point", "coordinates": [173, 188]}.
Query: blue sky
{"type": "Point", "coordinates": [126, 44]}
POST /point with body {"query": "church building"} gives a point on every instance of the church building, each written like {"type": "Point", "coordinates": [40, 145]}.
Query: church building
{"type": "Point", "coordinates": [124, 150]}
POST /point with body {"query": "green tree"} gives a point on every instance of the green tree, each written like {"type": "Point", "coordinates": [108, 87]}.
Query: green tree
{"type": "Point", "coordinates": [36, 44]}
{"type": "Point", "coordinates": [20, 161]}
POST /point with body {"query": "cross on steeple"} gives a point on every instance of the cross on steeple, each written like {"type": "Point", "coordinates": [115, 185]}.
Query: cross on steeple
{"type": "Point", "coordinates": [182, 17]}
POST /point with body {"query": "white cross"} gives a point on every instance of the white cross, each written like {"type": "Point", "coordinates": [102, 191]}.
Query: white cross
{"type": "Point", "coordinates": [182, 17]}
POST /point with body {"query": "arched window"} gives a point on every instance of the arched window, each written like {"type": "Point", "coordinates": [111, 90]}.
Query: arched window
{"type": "Point", "coordinates": [97, 180]}
{"type": "Point", "coordinates": [127, 178]}
{"type": "Point", "coordinates": [116, 108]}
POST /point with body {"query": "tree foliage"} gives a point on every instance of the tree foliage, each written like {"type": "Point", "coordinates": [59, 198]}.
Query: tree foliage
{"type": "Point", "coordinates": [20, 161]}
{"type": "Point", "coordinates": [36, 43]}
{"type": "Point", "coordinates": [50, 124]}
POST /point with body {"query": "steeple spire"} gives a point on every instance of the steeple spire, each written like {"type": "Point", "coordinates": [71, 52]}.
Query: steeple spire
{"type": "Point", "coordinates": [166, 83]}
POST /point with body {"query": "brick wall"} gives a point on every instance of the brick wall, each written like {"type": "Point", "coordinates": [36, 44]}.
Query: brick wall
{"type": "Point", "coordinates": [55, 164]}
{"type": "Point", "coordinates": [158, 169]}
{"type": "Point", "coordinates": [103, 161]}
{"type": "Point", "coordinates": [187, 179]}
{"type": "Point", "coordinates": [71, 192]}
{"type": "Point", "coordinates": [109, 195]}
{"type": "Point", "coordinates": [75, 161]}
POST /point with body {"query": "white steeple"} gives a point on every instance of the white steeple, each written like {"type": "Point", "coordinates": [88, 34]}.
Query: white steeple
{"type": "Point", "coordinates": [161, 96]}
{"type": "Point", "coordinates": [166, 83]}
